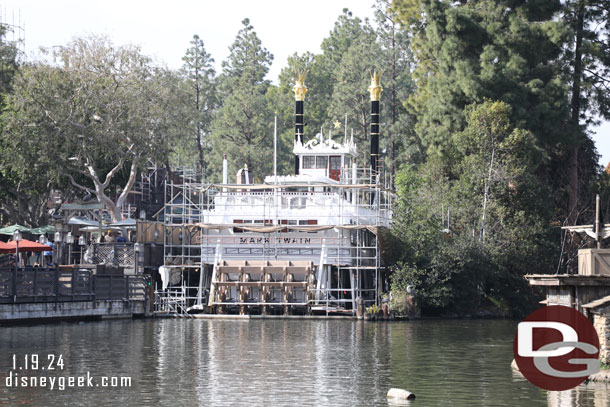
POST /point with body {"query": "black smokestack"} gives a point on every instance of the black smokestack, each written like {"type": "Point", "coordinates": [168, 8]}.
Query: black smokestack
{"type": "Point", "coordinates": [298, 129]}
{"type": "Point", "coordinates": [375, 91]}
{"type": "Point", "coordinates": [374, 136]}
{"type": "Point", "coordinates": [299, 90]}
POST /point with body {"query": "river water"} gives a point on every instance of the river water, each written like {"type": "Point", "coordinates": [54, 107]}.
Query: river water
{"type": "Point", "coordinates": [187, 362]}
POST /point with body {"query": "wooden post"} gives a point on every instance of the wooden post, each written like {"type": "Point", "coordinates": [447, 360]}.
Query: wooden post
{"type": "Point", "coordinates": [56, 283]}
{"type": "Point", "coordinates": [242, 292]}
{"type": "Point", "coordinates": [14, 285]}
{"type": "Point", "coordinates": [34, 283]}
{"type": "Point", "coordinates": [91, 290]}
{"type": "Point", "coordinates": [73, 281]}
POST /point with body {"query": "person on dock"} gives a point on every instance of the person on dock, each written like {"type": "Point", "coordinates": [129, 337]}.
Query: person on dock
{"type": "Point", "coordinates": [109, 238]}
{"type": "Point", "coordinates": [48, 255]}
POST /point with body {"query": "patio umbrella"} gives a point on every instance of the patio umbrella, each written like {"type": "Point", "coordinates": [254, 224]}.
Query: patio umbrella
{"type": "Point", "coordinates": [81, 221]}
{"type": "Point", "coordinates": [25, 246]}
{"type": "Point", "coordinates": [43, 230]}
{"type": "Point", "coordinates": [10, 229]}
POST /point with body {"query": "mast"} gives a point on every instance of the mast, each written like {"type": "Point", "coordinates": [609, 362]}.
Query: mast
{"type": "Point", "coordinates": [299, 90]}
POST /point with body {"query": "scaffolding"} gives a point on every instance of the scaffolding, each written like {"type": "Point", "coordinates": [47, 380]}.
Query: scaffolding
{"type": "Point", "coordinates": [224, 245]}
{"type": "Point", "coordinates": [12, 32]}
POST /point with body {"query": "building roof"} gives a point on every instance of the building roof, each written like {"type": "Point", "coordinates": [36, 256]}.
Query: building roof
{"type": "Point", "coordinates": [567, 280]}
{"type": "Point", "coordinates": [598, 303]}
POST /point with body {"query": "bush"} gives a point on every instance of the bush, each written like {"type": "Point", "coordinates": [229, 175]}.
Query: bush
{"type": "Point", "coordinates": [373, 309]}
{"type": "Point", "coordinates": [401, 304]}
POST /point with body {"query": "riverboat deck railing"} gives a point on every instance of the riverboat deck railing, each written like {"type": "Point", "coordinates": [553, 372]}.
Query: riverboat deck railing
{"type": "Point", "coordinates": [35, 284]}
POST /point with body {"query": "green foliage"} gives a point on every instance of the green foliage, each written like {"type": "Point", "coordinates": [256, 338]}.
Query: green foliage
{"type": "Point", "coordinates": [401, 305]}
{"type": "Point", "coordinates": [500, 217]}
{"type": "Point", "coordinates": [93, 120]}
{"type": "Point", "coordinates": [399, 139]}
{"type": "Point", "coordinates": [373, 309]}
{"type": "Point", "coordinates": [476, 50]}
{"type": "Point", "coordinates": [23, 194]}
{"type": "Point", "coordinates": [199, 73]}
{"type": "Point", "coordinates": [243, 126]}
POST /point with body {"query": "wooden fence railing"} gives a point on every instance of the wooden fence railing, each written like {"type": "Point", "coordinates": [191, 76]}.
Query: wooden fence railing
{"type": "Point", "coordinates": [55, 285]}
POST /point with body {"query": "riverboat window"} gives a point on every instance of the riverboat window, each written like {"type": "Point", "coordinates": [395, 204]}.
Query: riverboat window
{"type": "Point", "coordinates": [299, 202]}
{"type": "Point", "coordinates": [308, 222]}
{"type": "Point", "coordinates": [309, 161]}
{"type": "Point", "coordinates": [321, 161]}
{"type": "Point", "coordinates": [286, 222]}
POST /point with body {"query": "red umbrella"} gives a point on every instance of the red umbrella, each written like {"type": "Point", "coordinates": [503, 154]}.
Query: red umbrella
{"type": "Point", "coordinates": [24, 246]}
{"type": "Point", "coordinates": [4, 247]}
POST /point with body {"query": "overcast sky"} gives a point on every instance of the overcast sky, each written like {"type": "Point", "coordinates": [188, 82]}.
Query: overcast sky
{"type": "Point", "coordinates": [164, 29]}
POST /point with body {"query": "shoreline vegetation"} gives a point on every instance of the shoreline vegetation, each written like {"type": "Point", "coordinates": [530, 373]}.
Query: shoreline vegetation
{"type": "Point", "coordinates": [487, 109]}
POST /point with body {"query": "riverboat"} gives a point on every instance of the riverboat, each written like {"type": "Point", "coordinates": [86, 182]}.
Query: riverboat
{"type": "Point", "coordinates": [309, 242]}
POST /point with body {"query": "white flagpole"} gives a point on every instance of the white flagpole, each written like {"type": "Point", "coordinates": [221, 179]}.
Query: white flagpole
{"type": "Point", "coordinates": [345, 130]}
{"type": "Point", "coordinates": [275, 150]}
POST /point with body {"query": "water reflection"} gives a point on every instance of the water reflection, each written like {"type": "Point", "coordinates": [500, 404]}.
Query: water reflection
{"type": "Point", "coordinates": [285, 362]}
{"type": "Point", "coordinates": [592, 394]}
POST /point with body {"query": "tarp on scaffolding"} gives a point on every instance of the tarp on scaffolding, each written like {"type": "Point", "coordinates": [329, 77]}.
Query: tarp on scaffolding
{"type": "Point", "coordinates": [258, 187]}
{"type": "Point", "coordinates": [276, 228]}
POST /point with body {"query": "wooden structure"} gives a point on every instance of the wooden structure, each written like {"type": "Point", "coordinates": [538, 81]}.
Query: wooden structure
{"type": "Point", "coordinates": [588, 291]}
{"type": "Point", "coordinates": [261, 283]}
{"type": "Point", "coordinates": [571, 290]}
{"type": "Point", "coordinates": [594, 262]}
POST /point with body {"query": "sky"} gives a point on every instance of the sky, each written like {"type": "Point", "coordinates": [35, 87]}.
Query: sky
{"type": "Point", "coordinates": [164, 29]}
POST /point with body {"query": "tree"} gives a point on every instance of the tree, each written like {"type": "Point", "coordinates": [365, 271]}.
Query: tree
{"type": "Point", "coordinates": [500, 217]}
{"type": "Point", "coordinates": [100, 116]}
{"type": "Point", "coordinates": [587, 61]}
{"type": "Point", "coordinates": [350, 95]}
{"type": "Point", "coordinates": [468, 51]}
{"type": "Point", "coordinates": [23, 196]}
{"type": "Point", "coordinates": [397, 63]}
{"type": "Point", "coordinates": [243, 126]}
{"type": "Point", "coordinates": [199, 70]}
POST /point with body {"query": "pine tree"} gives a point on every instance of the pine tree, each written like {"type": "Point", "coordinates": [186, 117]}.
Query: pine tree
{"type": "Point", "coordinates": [243, 126]}
{"type": "Point", "coordinates": [396, 61]}
{"type": "Point", "coordinates": [199, 71]}
{"type": "Point", "coordinates": [352, 53]}
{"type": "Point", "coordinates": [587, 61]}
{"type": "Point", "coordinates": [469, 51]}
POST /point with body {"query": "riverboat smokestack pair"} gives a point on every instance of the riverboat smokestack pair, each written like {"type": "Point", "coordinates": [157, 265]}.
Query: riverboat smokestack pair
{"type": "Point", "coordinates": [375, 90]}
{"type": "Point", "coordinates": [299, 90]}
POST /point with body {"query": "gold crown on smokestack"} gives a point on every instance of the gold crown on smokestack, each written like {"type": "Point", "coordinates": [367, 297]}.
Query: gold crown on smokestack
{"type": "Point", "coordinates": [375, 88]}
{"type": "Point", "coordinates": [299, 88]}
